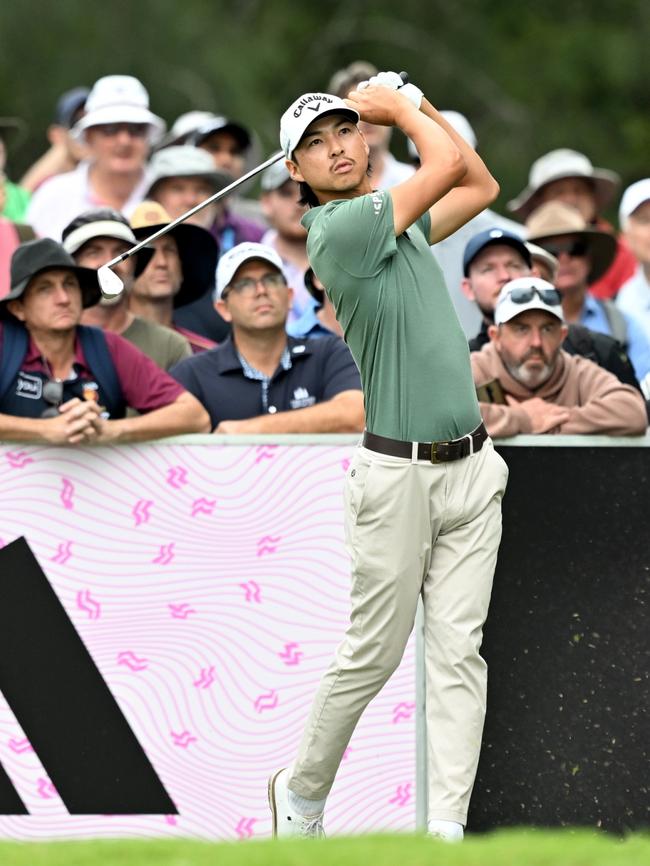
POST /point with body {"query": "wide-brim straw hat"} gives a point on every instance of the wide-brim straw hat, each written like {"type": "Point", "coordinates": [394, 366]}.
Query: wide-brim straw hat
{"type": "Point", "coordinates": [554, 219]}
{"type": "Point", "coordinates": [197, 249]}
{"type": "Point", "coordinates": [559, 164]}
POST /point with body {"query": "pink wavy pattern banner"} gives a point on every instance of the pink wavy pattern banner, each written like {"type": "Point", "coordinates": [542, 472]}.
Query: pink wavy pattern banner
{"type": "Point", "coordinates": [210, 585]}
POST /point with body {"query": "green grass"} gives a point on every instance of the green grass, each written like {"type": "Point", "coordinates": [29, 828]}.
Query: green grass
{"type": "Point", "coordinates": [505, 848]}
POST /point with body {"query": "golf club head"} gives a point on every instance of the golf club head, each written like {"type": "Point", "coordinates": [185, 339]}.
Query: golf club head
{"type": "Point", "coordinates": [110, 284]}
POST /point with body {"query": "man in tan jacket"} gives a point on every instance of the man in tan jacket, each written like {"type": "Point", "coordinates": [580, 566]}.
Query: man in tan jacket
{"type": "Point", "coordinates": [528, 384]}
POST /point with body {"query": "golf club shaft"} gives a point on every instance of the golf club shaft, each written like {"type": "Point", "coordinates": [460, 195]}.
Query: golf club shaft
{"type": "Point", "coordinates": [213, 198]}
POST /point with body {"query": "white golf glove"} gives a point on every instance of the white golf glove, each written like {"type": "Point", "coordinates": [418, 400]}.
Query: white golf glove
{"type": "Point", "coordinates": [394, 82]}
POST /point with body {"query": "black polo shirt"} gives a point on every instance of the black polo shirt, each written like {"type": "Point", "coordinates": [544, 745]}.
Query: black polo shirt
{"type": "Point", "coordinates": [315, 370]}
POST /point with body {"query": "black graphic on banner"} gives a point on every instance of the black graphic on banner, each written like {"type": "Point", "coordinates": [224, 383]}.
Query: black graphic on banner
{"type": "Point", "coordinates": [63, 705]}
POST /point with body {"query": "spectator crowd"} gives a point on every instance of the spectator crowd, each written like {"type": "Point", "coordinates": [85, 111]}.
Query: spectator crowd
{"type": "Point", "coordinates": [224, 327]}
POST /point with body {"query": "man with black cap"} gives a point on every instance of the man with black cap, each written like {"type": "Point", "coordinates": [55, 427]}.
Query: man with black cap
{"type": "Point", "coordinates": [494, 257]}
{"type": "Point", "coordinates": [64, 383]}
{"type": "Point", "coordinates": [94, 238]}
{"type": "Point", "coordinates": [180, 272]}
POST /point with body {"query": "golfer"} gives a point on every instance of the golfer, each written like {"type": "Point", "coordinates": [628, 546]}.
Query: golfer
{"type": "Point", "coordinates": [423, 492]}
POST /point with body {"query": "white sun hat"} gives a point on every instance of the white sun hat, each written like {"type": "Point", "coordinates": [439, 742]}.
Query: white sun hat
{"type": "Point", "coordinates": [119, 99]}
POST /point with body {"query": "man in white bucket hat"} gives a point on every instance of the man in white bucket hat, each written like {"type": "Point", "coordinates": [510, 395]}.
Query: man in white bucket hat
{"type": "Point", "coordinates": [568, 176]}
{"type": "Point", "coordinates": [118, 130]}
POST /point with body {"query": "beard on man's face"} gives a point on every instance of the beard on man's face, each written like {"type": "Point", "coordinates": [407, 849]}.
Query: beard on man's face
{"type": "Point", "coordinates": [535, 377]}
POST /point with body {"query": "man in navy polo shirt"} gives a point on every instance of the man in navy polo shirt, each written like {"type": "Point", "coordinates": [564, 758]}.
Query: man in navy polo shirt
{"type": "Point", "coordinates": [261, 380]}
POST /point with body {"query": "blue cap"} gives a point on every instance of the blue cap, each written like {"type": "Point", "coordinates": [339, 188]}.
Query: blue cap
{"type": "Point", "coordinates": [495, 235]}
{"type": "Point", "coordinates": [69, 104]}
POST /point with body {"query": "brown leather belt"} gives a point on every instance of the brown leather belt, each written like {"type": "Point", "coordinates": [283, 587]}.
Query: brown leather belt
{"type": "Point", "coordinates": [433, 452]}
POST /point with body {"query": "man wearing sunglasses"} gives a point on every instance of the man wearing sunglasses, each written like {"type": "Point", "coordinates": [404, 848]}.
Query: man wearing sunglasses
{"type": "Point", "coordinates": [584, 253]}
{"type": "Point", "coordinates": [528, 384]}
{"type": "Point", "coordinates": [260, 380]}
{"type": "Point", "coordinates": [67, 384]}
{"type": "Point", "coordinates": [494, 257]}
{"type": "Point", "coordinates": [118, 130]}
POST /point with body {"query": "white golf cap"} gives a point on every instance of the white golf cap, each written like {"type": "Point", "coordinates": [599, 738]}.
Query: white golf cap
{"type": "Point", "coordinates": [97, 223]}
{"type": "Point", "coordinates": [304, 111]}
{"type": "Point", "coordinates": [230, 262]}
{"type": "Point", "coordinates": [633, 197]}
{"type": "Point", "coordinates": [506, 309]}
{"type": "Point", "coordinates": [119, 99]}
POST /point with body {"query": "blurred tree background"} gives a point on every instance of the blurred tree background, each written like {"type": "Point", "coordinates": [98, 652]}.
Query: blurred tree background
{"type": "Point", "coordinates": [530, 76]}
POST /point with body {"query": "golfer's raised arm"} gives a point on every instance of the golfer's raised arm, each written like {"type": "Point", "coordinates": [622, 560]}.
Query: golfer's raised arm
{"type": "Point", "coordinates": [470, 196]}
{"type": "Point", "coordinates": [442, 165]}
{"type": "Point", "coordinates": [452, 182]}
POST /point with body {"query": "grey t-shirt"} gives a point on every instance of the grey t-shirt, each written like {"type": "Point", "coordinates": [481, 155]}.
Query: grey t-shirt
{"type": "Point", "coordinates": [161, 344]}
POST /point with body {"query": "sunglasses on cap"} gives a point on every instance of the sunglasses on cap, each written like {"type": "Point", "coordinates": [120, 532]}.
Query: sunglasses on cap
{"type": "Point", "coordinates": [571, 248]}
{"type": "Point", "coordinates": [526, 293]}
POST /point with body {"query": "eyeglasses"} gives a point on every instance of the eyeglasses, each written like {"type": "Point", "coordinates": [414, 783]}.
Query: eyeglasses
{"type": "Point", "coordinates": [571, 248]}
{"type": "Point", "coordinates": [246, 287]}
{"type": "Point", "coordinates": [52, 393]}
{"type": "Point", "coordinates": [135, 130]}
{"type": "Point", "coordinates": [525, 294]}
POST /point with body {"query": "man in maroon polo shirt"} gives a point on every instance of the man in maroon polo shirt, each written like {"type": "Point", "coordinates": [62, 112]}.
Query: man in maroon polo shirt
{"type": "Point", "coordinates": [63, 383]}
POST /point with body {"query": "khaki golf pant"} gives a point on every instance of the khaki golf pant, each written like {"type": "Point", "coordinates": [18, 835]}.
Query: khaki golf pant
{"type": "Point", "coordinates": [413, 528]}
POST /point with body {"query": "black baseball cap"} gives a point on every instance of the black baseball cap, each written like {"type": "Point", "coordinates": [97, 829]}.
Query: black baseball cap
{"type": "Point", "coordinates": [492, 236]}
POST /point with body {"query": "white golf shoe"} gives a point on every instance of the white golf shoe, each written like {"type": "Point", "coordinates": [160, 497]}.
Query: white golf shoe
{"type": "Point", "coordinates": [447, 831]}
{"type": "Point", "coordinates": [286, 821]}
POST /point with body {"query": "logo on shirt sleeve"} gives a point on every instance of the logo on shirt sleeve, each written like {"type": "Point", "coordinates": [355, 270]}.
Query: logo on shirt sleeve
{"type": "Point", "coordinates": [377, 202]}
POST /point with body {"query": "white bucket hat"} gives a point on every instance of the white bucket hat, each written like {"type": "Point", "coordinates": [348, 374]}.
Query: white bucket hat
{"type": "Point", "coordinates": [557, 165]}
{"type": "Point", "coordinates": [119, 99]}
{"type": "Point", "coordinates": [304, 111]}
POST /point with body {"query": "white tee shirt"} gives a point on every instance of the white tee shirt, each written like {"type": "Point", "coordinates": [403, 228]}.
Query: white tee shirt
{"type": "Point", "coordinates": [63, 197]}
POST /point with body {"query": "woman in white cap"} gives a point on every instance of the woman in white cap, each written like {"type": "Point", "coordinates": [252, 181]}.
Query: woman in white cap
{"type": "Point", "coordinates": [119, 130]}
{"type": "Point", "coordinates": [569, 177]}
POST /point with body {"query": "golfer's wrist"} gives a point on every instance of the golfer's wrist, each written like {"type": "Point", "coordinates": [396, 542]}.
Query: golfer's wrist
{"type": "Point", "coordinates": [405, 114]}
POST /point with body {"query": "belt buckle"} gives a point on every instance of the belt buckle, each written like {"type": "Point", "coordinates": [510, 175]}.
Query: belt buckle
{"type": "Point", "coordinates": [434, 451]}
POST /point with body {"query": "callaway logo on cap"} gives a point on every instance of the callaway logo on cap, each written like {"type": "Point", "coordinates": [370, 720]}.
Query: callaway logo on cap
{"type": "Point", "coordinates": [304, 111]}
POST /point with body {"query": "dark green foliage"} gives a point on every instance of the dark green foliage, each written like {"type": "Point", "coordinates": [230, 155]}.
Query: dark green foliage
{"type": "Point", "coordinates": [530, 76]}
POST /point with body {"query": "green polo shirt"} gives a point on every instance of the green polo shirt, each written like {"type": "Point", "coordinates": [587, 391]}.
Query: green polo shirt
{"type": "Point", "coordinates": [398, 319]}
